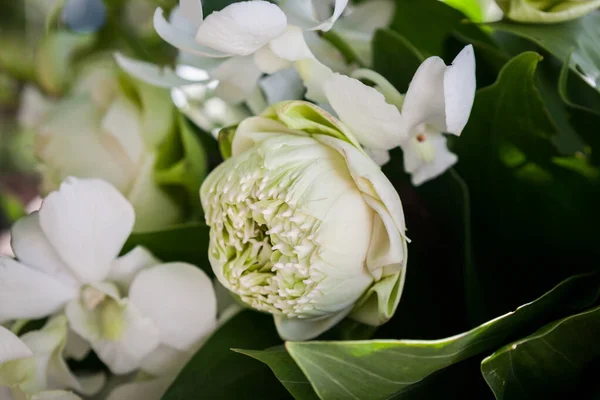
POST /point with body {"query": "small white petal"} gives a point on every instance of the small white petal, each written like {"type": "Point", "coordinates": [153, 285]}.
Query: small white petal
{"type": "Point", "coordinates": [55, 395]}
{"type": "Point", "coordinates": [424, 101]}
{"type": "Point", "coordinates": [314, 75]}
{"type": "Point", "coordinates": [459, 90]}
{"type": "Point", "coordinates": [242, 28]}
{"type": "Point", "coordinates": [269, 62]}
{"type": "Point", "coordinates": [122, 341]}
{"type": "Point", "coordinates": [328, 15]}
{"type": "Point", "coordinates": [124, 268]}
{"type": "Point", "coordinates": [87, 221]}
{"type": "Point", "coordinates": [375, 123]}
{"type": "Point", "coordinates": [422, 168]}
{"type": "Point", "coordinates": [326, 53]}
{"type": "Point", "coordinates": [291, 45]}
{"type": "Point", "coordinates": [26, 293]}
{"type": "Point", "coordinates": [11, 347]}
{"type": "Point", "coordinates": [380, 157]}
{"type": "Point", "coordinates": [238, 77]}
{"type": "Point", "coordinates": [33, 249]}
{"type": "Point", "coordinates": [76, 347]}
{"type": "Point", "coordinates": [165, 360]}
{"type": "Point", "coordinates": [151, 73]}
{"type": "Point", "coordinates": [313, 14]}
{"type": "Point", "coordinates": [180, 299]}
{"type": "Point", "coordinates": [367, 17]}
{"type": "Point", "coordinates": [182, 38]}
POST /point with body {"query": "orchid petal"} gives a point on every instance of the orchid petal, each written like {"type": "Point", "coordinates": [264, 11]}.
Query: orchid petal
{"type": "Point", "coordinates": [422, 168]}
{"type": "Point", "coordinates": [367, 17]}
{"type": "Point", "coordinates": [242, 28]}
{"type": "Point", "coordinates": [269, 62]}
{"type": "Point", "coordinates": [459, 90]}
{"type": "Point", "coordinates": [11, 347]}
{"type": "Point", "coordinates": [313, 14]}
{"type": "Point", "coordinates": [314, 75]}
{"type": "Point", "coordinates": [192, 11]}
{"type": "Point", "coordinates": [424, 101]}
{"type": "Point", "coordinates": [33, 249]}
{"type": "Point", "coordinates": [87, 221]}
{"type": "Point", "coordinates": [237, 77]}
{"type": "Point", "coordinates": [26, 293]}
{"type": "Point", "coordinates": [165, 360]}
{"type": "Point", "coordinates": [122, 120]}
{"type": "Point", "coordinates": [148, 390]}
{"type": "Point", "coordinates": [281, 86]}
{"type": "Point", "coordinates": [182, 38]}
{"type": "Point", "coordinates": [55, 395]}
{"type": "Point", "coordinates": [124, 269]}
{"type": "Point", "coordinates": [180, 299]}
{"type": "Point", "coordinates": [291, 45]}
{"type": "Point", "coordinates": [121, 338]}
{"type": "Point", "coordinates": [375, 123]}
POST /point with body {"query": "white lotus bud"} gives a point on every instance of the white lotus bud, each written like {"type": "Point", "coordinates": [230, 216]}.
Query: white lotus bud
{"type": "Point", "coordinates": [110, 129]}
{"type": "Point", "coordinates": [303, 224]}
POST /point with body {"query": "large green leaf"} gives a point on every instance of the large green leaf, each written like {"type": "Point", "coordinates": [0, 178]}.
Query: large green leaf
{"type": "Point", "coordinates": [580, 37]}
{"type": "Point", "coordinates": [286, 370]}
{"type": "Point", "coordinates": [534, 212]}
{"type": "Point", "coordinates": [185, 243]}
{"type": "Point", "coordinates": [395, 58]}
{"type": "Point", "coordinates": [379, 368]}
{"type": "Point", "coordinates": [216, 372]}
{"type": "Point", "coordinates": [547, 363]}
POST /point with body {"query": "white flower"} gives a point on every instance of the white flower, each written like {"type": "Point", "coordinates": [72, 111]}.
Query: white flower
{"type": "Point", "coordinates": [33, 366]}
{"type": "Point", "coordinates": [245, 39]}
{"type": "Point", "coordinates": [134, 311]}
{"type": "Point", "coordinates": [439, 100]}
{"type": "Point", "coordinates": [99, 131]}
{"type": "Point", "coordinates": [304, 225]}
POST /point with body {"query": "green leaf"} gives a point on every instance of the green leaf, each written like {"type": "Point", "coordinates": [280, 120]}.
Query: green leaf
{"type": "Point", "coordinates": [534, 217]}
{"type": "Point", "coordinates": [185, 243]}
{"type": "Point", "coordinates": [11, 207]}
{"type": "Point", "coordinates": [182, 162]}
{"type": "Point", "coordinates": [547, 363]}
{"type": "Point", "coordinates": [395, 58]}
{"type": "Point", "coordinates": [379, 368]}
{"type": "Point", "coordinates": [581, 38]}
{"type": "Point", "coordinates": [216, 372]}
{"type": "Point", "coordinates": [286, 370]}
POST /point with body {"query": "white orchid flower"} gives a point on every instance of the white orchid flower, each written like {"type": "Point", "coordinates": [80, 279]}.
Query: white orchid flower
{"type": "Point", "coordinates": [439, 100]}
{"type": "Point", "coordinates": [133, 310]}
{"type": "Point", "coordinates": [33, 367]}
{"type": "Point", "coordinates": [237, 44]}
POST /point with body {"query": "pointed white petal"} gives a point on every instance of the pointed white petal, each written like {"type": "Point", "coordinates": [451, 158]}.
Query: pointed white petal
{"type": "Point", "coordinates": [182, 38]}
{"type": "Point", "coordinates": [242, 28]}
{"type": "Point", "coordinates": [281, 86]}
{"type": "Point", "coordinates": [11, 347]}
{"type": "Point", "coordinates": [375, 123]}
{"type": "Point", "coordinates": [121, 338]}
{"type": "Point", "coordinates": [459, 90]}
{"type": "Point", "coordinates": [424, 101]}
{"type": "Point", "coordinates": [296, 329]}
{"type": "Point", "coordinates": [87, 222]}
{"type": "Point", "coordinates": [291, 45]}
{"type": "Point", "coordinates": [76, 347]}
{"type": "Point", "coordinates": [314, 75]}
{"type": "Point", "coordinates": [326, 53]}
{"type": "Point", "coordinates": [238, 77]}
{"type": "Point", "coordinates": [124, 268]}
{"type": "Point", "coordinates": [269, 62]}
{"type": "Point", "coordinates": [26, 293]}
{"type": "Point", "coordinates": [151, 73]}
{"type": "Point", "coordinates": [192, 11]}
{"type": "Point", "coordinates": [33, 249]}
{"type": "Point", "coordinates": [180, 299]}
{"type": "Point", "coordinates": [438, 160]}
{"type": "Point", "coordinates": [328, 15]}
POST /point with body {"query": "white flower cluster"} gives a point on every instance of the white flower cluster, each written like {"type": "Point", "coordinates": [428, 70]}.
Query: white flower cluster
{"type": "Point", "coordinates": [136, 313]}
